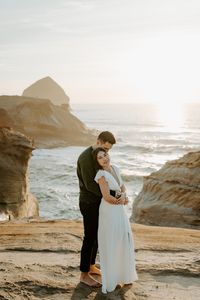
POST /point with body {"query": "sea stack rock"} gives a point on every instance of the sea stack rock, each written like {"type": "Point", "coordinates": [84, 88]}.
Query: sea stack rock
{"type": "Point", "coordinates": [47, 88]}
{"type": "Point", "coordinates": [15, 199]}
{"type": "Point", "coordinates": [171, 196]}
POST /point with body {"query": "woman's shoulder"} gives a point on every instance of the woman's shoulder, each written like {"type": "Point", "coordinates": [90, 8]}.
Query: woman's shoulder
{"type": "Point", "coordinates": [99, 174]}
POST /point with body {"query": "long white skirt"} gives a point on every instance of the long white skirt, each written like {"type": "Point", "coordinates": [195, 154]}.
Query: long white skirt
{"type": "Point", "coordinates": [116, 247]}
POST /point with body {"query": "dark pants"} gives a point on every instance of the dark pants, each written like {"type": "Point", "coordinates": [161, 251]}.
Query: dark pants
{"type": "Point", "coordinates": [90, 212]}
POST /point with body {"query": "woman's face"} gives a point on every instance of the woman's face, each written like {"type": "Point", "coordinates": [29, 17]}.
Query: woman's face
{"type": "Point", "coordinates": [103, 159]}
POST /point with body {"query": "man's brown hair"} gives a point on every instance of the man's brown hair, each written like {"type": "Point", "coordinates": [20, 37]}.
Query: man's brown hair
{"type": "Point", "coordinates": [107, 136]}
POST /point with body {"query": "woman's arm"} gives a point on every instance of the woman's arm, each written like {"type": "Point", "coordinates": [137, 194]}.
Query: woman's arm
{"type": "Point", "coordinates": [106, 192]}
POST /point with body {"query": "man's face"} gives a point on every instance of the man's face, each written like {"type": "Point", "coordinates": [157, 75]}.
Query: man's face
{"type": "Point", "coordinates": [105, 145]}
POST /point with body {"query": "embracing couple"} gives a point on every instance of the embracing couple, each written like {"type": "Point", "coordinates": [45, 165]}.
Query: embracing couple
{"type": "Point", "coordinates": [106, 226]}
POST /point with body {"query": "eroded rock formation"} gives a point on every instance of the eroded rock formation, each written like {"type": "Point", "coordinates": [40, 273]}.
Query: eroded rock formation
{"type": "Point", "coordinates": [48, 124]}
{"type": "Point", "coordinates": [5, 119]}
{"type": "Point", "coordinates": [15, 199]}
{"type": "Point", "coordinates": [171, 196]}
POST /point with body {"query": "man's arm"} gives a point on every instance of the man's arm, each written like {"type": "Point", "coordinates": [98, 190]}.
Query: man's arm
{"type": "Point", "coordinates": [86, 175]}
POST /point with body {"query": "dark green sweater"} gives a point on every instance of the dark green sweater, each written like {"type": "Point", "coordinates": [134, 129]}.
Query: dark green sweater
{"type": "Point", "coordinates": [89, 189]}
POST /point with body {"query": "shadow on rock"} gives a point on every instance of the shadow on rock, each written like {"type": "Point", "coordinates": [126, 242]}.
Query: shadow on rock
{"type": "Point", "coordinates": [82, 291]}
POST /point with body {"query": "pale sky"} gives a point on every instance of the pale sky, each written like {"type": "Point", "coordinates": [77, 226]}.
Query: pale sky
{"type": "Point", "coordinates": [103, 50]}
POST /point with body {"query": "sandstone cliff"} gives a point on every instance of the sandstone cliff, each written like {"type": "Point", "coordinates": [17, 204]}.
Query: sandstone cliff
{"type": "Point", "coordinates": [5, 119]}
{"type": "Point", "coordinates": [48, 124]}
{"type": "Point", "coordinates": [47, 88]}
{"type": "Point", "coordinates": [15, 199]}
{"type": "Point", "coordinates": [171, 196]}
{"type": "Point", "coordinates": [40, 260]}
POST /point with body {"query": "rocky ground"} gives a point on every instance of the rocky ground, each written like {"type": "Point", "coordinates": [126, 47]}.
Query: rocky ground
{"type": "Point", "coordinates": [39, 259]}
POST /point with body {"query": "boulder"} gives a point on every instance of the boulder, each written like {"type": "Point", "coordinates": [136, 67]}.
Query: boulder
{"type": "Point", "coordinates": [15, 152]}
{"type": "Point", "coordinates": [171, 196]}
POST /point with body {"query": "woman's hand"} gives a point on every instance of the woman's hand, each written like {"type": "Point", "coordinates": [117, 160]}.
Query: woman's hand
{"type": "Point", "coordinates": [126, 201]}
{"type": "Point", "coordinates": [120, 201]}
{"type": "Point", "coordinates": [123, 200]}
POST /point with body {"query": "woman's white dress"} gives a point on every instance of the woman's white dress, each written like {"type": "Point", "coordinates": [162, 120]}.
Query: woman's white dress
{"type": "Point", "coordinates": [115, 241]}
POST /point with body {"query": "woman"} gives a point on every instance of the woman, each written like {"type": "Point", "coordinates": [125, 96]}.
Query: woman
{"type": "Point", "coordinates": [116, 248]}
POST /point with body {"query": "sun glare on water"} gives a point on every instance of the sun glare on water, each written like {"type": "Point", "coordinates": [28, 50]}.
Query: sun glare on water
{"type": "Point", "coordinates": [170, 116]}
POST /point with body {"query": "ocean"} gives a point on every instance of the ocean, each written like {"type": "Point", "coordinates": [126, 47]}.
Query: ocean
{"type": "Point", "coordinates": [147, 136]}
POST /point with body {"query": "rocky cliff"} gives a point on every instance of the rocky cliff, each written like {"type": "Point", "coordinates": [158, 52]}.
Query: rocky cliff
{"type": "Point", "coordinates": [40, 260]}
{"type": "Point", "coordinates": [15, 199]}
{"type": "Point", "coordinates": [5, 119]}
{"type": "Point", "coordinates": [171, 196]}
{"type": "Point", "coordinates": [48, 124]}
{"type": "Point", "coordinates": [47, 88]}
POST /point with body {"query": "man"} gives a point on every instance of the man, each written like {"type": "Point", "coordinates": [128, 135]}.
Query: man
{"type": "Point", "coordinates": [89, 201]}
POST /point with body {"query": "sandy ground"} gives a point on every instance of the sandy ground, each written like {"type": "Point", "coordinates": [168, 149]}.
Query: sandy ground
{"type": "Point", "coordinates": [39, 259]}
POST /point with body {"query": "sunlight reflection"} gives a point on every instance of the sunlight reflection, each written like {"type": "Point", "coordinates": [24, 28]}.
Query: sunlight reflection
{"type": "Point", "coordinates": [170, 116]}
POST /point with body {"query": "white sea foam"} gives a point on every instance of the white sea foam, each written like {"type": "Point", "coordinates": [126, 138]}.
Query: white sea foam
{"type": "Point", "coordinates": [4, 217]}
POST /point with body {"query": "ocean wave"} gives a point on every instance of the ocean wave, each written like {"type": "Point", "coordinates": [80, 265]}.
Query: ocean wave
{"type": "Point", "coordinates": [131, 177]}
{"type": "Point", "coordinates": [133, 148]}
{"type": "Point", "coordinates": [167, 149]}
{"type": "Point", "coordinates": [164, 146]}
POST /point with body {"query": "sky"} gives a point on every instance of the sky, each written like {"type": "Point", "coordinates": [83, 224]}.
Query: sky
{"type": "Point", "coordinates": [103, 50]}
